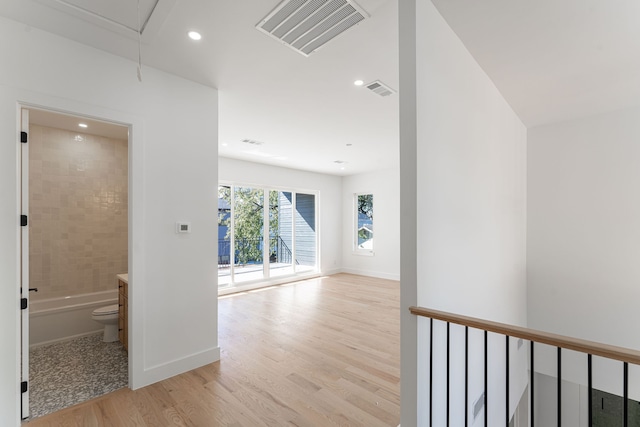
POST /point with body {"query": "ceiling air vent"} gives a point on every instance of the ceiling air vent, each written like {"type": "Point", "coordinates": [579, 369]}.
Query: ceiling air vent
{"type": "Point", "coordinates": [380, 88]}
{"type": "Point", "coordinates": [306, 25]}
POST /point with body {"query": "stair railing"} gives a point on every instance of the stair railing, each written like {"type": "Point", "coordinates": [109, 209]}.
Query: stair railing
{"type": "Point", "coordinates": [590, 348]}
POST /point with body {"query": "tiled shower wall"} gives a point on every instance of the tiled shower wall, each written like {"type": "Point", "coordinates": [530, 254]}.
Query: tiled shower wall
{"type": "Point", "coordinates": [77, 212]}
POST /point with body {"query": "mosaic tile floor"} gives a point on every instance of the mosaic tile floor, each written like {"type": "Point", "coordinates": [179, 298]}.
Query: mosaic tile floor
{"type": "Point", "coordinates": [67, 373]}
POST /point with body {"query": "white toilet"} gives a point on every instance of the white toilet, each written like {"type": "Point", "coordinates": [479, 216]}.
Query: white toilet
{"type": "Point", "coordinates": [108, 316]}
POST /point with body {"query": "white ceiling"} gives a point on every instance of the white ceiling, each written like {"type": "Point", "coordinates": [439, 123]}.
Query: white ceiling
{"type": "Point", "coordinates": [71, 123]}
{"type": "Point", "coordinates": [130, 14]}
{"type": "Point", "coordinates": [552, 60]}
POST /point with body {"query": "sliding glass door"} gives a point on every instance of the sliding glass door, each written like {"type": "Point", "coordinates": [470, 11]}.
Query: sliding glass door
{"type": "Point", "coordinates": [305, 232]}
{"type": "Point", "coordinates": [280, 234]}
{"type": "Point", "coordinates": [248, 234]}
{"type": "Point", "coordinates": [272, 234]}
{"type": "Point", "coordinates": [224, 235]}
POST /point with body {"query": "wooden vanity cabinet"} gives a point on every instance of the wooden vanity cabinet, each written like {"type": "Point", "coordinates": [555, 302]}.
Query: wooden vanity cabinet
{"type": "Point", "coordinates": [123, 310]}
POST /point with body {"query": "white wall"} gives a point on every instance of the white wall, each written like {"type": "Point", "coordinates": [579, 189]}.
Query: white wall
{"type": "Point", "coordinates": [575, 402]}
{"type": "Point", "coordinates": [385, 187]}
{"type": "Point", "coordinates": [471, 209]}
{"type": "Point", "coordinates": [173, 175]}
{"type": "Point", "coordinates": [329, 200]}
{"type": "Point", "coordinates": [584, 236]}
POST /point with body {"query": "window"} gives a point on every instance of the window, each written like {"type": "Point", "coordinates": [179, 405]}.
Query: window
{"type": "Point", "coordinates": [264, 233]}
{"type": "Point", "coordinates": [305, 232]}
{"type": "Point", "coordinates": [363, 236]}
{"type": "Point", "coordinates": [281, 233]}
{"type": "Point", "coordinates": [248, 233]}
{"type": "Point", "coordinates": [224, 235]}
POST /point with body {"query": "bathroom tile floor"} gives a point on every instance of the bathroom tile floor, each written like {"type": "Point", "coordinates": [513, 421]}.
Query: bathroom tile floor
{"type": "Point", "coordinates": [66, 373]}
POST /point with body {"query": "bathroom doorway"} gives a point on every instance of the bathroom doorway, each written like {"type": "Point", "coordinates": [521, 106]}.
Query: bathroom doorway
{"type": "Point", "coordinates": [75, 253]}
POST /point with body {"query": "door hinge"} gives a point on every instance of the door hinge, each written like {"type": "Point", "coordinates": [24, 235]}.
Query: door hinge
{"type": "Point", "coordinates": [24, 386]}
{"type": "Point", "coordinates": [23, 303]}
{"type": "Point", "coordinates": [23, 220]}
{"type": "Point", "coordinates": [24, 137]}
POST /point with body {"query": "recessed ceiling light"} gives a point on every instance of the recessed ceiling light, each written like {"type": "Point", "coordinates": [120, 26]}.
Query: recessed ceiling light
{"type": "Point", "coordinates": [194, 35]}
{"type": "Point", "coordinates": [358, 82]}
{"type": "Point", "coordinates": [224, 144]}
{"type": "Point", "coordinates": [83, 125]}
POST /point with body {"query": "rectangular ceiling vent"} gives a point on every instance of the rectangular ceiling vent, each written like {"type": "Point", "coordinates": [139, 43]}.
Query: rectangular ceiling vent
{"type": "Point", "coordinates": [306, 25]}
{"type": "Point", "coordinates": [380, 88]}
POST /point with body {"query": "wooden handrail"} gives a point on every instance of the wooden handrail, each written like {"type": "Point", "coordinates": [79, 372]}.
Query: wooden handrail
{"type": "Point", "coordinates": [590, 347]}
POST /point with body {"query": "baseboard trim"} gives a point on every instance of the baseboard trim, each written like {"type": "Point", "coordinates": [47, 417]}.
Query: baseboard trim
{"type": "Point", "coordinates": [267, 283]}
{"type": "Point", "coordinates": [368, 273]}
{"type": "Point", "coordinates": [179, 366]}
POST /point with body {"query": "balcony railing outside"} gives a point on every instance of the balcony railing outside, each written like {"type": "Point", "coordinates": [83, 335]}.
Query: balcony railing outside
{"type": "Point", "coordinates": [279, 251]}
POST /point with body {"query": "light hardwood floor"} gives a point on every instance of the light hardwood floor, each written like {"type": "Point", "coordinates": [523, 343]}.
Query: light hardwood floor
{"type": "Point", "coordinates": [321, 352]}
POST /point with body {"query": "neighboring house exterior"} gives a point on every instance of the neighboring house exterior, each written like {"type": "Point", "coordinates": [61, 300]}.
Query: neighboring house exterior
{"type": "Point", "coordinates": [365, 231]}
{"type": "Point", "coordinates": [305, 230]}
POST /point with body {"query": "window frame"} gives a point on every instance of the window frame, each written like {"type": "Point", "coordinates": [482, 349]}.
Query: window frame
{"type": "Point", "coordinates": [357, 250]}
{"type": "Point", "coordinates": [268, 279]}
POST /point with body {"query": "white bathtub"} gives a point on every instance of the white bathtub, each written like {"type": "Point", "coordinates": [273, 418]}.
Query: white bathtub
{"type": "Point", "coordinates": [60, 319]}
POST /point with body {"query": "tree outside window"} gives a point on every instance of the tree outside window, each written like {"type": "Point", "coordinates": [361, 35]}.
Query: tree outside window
{"type": "Point", "coordinates": [364, 223]}
{"type": "Point", "coordinates": [249, 208]}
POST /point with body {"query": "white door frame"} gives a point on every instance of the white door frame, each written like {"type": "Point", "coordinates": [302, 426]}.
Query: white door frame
{"type": "Point", "coordinates": [24, 264]}
{"type": "Point", "coordinates": [23, 250]}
